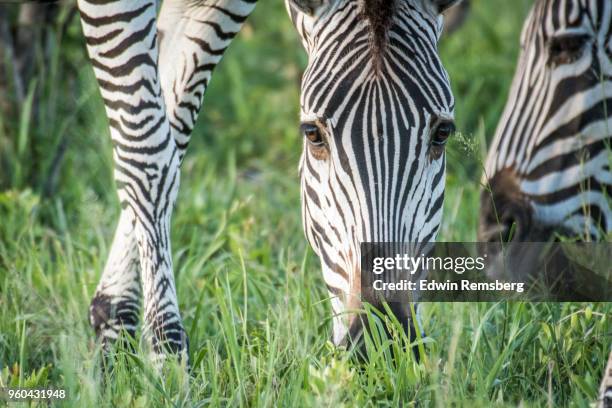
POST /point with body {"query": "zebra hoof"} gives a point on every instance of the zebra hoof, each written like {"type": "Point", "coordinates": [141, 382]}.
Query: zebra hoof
{"type": "Point", "coordinates": [168, 347]}
{"type": "Point", "coordinates": [109, 318]}
{"type": "Point", "coordinates": [100, 314]}
{"type": "Point", "coordinates": [170, 339]}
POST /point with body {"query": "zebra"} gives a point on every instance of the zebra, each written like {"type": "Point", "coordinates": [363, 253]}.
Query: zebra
{"type": "Point", "coordinates": [548, 167]}
{"type": "Point", "coordinates": [376, 110]}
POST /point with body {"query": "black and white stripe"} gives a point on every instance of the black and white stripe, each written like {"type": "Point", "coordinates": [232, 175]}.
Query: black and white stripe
{"type": "Point", "coordinates": [548, 168]}
{"type": "Point", "coordinates": [153, 72]}
{"type": "Point", "coordinates": [552, 145]}
{"type": "Point", "coordinates": [373, 96]}
{"type": "Point", "coordinates": [374, 92]}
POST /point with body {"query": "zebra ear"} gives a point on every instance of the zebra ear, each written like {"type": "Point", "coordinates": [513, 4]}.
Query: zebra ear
{"type": "Point", "coordinates": [455, 17]}
{"type": "Point", "coordinates": [309, 7]}
{"type": "Point", "coordinates": [442, 5]}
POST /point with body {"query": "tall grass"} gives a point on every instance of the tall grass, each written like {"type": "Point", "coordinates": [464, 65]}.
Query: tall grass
{"type": "Point", "coordinates": [251, 292]}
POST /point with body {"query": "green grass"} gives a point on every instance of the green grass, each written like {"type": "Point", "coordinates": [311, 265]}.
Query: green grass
{"type": "Point", "coordinates": [251, 292]}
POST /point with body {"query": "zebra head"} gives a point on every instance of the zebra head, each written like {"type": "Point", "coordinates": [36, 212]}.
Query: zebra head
{"type": "Point", "coordinates": [376, 111]}
{"type": "Point", "coordinates": [548, 167]}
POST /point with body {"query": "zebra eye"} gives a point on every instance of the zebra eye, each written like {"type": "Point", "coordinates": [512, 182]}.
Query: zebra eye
{"type": "Point", "coordinates": [566, 49]}
{"type": "Point", "coordinates": [442, 132]}
{"type": "Point", "coordinates": [312, 133]}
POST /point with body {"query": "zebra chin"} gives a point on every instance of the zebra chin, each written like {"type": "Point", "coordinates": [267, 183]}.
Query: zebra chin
{"type": "Point", "coordinates": [350, 327]}
{"type": "Point", "coordinates": [352, 309]}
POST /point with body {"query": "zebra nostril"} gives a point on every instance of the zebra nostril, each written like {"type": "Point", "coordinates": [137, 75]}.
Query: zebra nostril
{"type": "Point", "coordinates": [506, 213]}
{"type": "Point", "coordinates": [513, 224]}
{"type": "Point", "coordinates": [509, 228]}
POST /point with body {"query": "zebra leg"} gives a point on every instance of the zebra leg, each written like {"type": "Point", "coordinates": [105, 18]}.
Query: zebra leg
{"type": "Point", "coordinates": [193, 38]}
{"type": "Point", "coordinates": [194, 43]}
{"type": "Point", "coordinates": [116, 304]}
{"type": "Point", "coordinates": [122, 44]}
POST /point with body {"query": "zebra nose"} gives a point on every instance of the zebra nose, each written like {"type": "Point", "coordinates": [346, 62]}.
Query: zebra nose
{"type": "Point", "coordinates": [401, 312]}
{"type": "Point", "coordinates": [505, 214]}
{"type": "Point", "coordinates": [503, 223]}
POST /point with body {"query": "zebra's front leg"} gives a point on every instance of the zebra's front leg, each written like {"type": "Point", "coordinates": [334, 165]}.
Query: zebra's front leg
{"type": "Point", "coordinates": [122, 45]}
{"type": "Point", "coordinates": [116, 303]}
{"type": "Point", "coordinates": [163, 324]}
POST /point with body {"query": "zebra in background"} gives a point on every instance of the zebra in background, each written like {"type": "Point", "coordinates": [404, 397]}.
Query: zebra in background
{"type": "Point", "coordinates": [549, 166]}
{"type": "Point", "coordinates": [376, 112]}
{"type": "Point", "coordinates": [549, 163]}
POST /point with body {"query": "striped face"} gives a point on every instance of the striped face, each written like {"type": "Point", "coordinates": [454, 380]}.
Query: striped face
{"type": "Point", "coordinates": [549, 164]}
{"type": "Point", "coordinates": [376, 111]}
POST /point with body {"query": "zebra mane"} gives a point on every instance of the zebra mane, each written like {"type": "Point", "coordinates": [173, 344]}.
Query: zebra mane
{"type": "Point", "coordinates": [379, 13]}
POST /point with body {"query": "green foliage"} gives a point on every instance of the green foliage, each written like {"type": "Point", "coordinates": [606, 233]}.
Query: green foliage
{"type": "Point", "coordinates": [251, 292]}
